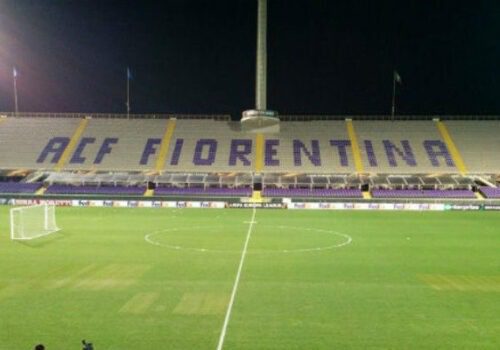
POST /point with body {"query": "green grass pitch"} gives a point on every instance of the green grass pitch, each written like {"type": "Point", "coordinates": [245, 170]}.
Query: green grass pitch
{"type": "Point", "coordinates": [162, 278]}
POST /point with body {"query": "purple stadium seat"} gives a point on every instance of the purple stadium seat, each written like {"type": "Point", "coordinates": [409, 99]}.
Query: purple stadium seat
{"type": "Point", "coordinates": [422, 194]}
{"type": "Point", "coordinates": [323, 193]}
{"type": "Point", "coordinates": [219, 192]}
{"type": "Point", "coordinates": [490, 192]}
{"type": "Point", "coordinates": [110, 190]}
{"type": "Point", "coordinates": [18, 187]}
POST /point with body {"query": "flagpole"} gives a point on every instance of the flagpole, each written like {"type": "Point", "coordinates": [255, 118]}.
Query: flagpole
{"type": "Point", "coordinates": [16, 107]}
{"type": "Point", "coordinates": [128, 93]}
{"type": "Point", "coordinates": [393, 95]}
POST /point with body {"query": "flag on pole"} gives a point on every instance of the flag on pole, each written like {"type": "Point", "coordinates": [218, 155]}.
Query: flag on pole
{"type": "Point", "coordinates": [129, 77]}
{"type": "Point", "coordinates": [397, 78]}
{"type": "Point", "coordinates": [14, 72]}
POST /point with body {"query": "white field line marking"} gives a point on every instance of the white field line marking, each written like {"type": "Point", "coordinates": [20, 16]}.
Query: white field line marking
{"type": "Point", "coordinates": [236, 283]}
{"type": "Point", "coordinates": [149, 239]}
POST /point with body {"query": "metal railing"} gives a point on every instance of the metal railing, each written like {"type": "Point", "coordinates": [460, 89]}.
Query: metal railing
{"type": "Point", "coordinates": [305, 117]}
{"type": "Point", "coordinates": [222, 117]}
{"type": "Point", "coordinates": [227, 117]}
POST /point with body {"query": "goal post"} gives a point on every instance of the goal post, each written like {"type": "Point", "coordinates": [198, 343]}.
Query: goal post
{"type": "Point", "coordinates": [32, 222]}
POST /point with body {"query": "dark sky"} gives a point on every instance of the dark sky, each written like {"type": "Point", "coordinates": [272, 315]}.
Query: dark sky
{"type": "Point", "coordinates": [198, 56]}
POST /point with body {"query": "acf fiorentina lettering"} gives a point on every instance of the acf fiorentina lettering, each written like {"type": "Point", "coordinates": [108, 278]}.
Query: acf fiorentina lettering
{"type": "Point", "coordinates": [206, 152]}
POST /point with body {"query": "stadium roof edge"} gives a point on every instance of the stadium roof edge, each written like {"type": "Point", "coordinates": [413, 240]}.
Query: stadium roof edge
{"type": "Point", "coordinates": [227, 117]}
{"type": "Point", "coordinates": [223, 117]}
{"type": "Point", "coordinates": [304, 117]}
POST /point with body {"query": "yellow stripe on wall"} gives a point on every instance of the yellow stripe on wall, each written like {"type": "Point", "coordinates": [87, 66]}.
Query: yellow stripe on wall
{"type": "Point", "coordinates": [259, 152]}
{"type": "Point", "coordinates": [455, 154]}
{"type": "Point", "coordinates": [358, 163]}
{"type": "Point", "coordinates": [72, 144]}
{"type": "Point", "coordinates": [165, 144]}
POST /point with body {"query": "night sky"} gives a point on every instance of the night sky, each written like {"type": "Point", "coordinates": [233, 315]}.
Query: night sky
{"type": "Point", "coordinates": [194, 56]}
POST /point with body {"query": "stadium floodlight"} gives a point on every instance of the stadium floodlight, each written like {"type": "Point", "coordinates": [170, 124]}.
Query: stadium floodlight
{"type": "Point", "coordinates": [32, 222]}
{"type": "Point", "coordinates": [260, 117]}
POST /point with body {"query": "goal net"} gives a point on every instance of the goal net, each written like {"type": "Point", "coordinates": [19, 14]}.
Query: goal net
{"type": "Point", "coordinates": [32, 222]}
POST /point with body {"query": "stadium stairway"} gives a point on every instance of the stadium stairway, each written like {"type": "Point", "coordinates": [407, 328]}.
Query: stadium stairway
{"type": "Point", "coordinates": [41, 191]}
{"type": "Point", "coordinates": [165, 144]}
{"type": "Point", "coordinates": [479, 195]}
{"type": "Point", "coordinates": [367, 195]}
{"type": "Point", "coordinates": [72, 144]}
{"type": "Point", "coordinates": [256, 197]}
{"type": "Point", "coordinates": [358, 163]}
{"type": "Point", "coordinates": [455, 154]}
{"type": "Point", "coordinates": [259, 152]}
{"type": "Point", "coordinates": [149, 193]}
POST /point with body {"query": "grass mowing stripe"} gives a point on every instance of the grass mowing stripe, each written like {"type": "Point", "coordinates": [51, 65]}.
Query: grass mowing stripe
{"type": "Point", "coordinates": [378, 293]}
{"type": "Point", "coordinates": [236, 282]}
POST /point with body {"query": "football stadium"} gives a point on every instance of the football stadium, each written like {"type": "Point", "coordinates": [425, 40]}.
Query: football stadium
{"type": "Point", "coordinates": [199, 231]}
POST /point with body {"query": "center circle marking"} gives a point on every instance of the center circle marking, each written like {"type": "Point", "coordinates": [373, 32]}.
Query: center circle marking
{"type": "Point", "coordinates": [150, 238]}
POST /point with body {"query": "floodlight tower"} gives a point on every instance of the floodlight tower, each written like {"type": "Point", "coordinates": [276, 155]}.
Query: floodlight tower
{"type": "Point", "coordinates": [260, 116]}
{"type": "Point", "coordinates": [261, 64]}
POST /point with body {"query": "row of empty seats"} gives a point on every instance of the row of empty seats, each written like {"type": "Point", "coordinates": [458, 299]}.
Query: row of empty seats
{"type": "Point", "coordinates": [423, 194]}
{"type": "Point", "coordinates": [314, 147]}
{"type": "Point", "coordinates": [244, 191]}
{"type": "Point", "coordinates": [321, 193]}
{"type": "Point", "coordinates": [107, 190]}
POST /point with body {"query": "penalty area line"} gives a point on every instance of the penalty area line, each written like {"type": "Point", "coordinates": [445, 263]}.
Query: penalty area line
{"type": "Point", "coordinates": [236, 282]}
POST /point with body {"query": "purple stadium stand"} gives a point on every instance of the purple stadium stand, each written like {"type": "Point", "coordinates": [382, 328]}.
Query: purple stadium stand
{"type": "Point", "coordinates": [301, 192]}
{"type": "Point", "coordinates": [18, 187]}
{"type": "Point", "coordinates": [220, 192]}
{"type": "Point", "coordinates": [422, 194]}
{"type": "Point", "coordinates": [111, 190]}
{"type": "Point", "coordinates": [490, 192]}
